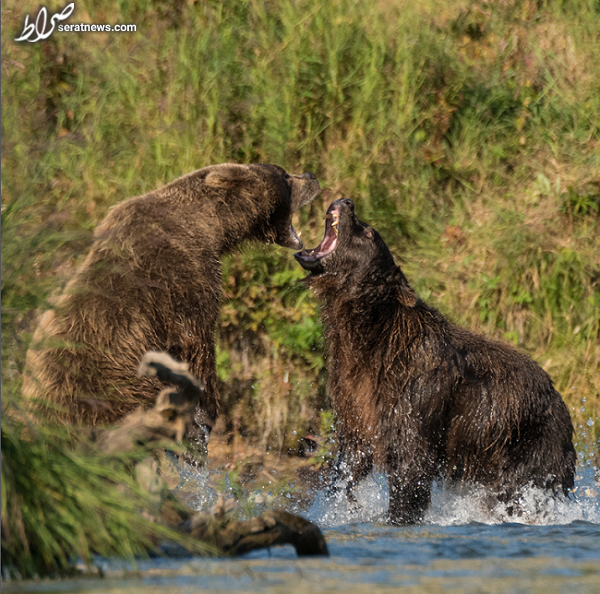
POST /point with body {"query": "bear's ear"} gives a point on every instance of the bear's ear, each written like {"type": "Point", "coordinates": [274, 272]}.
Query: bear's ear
{"type": "Point", "coordinates": [368, 231]}
{"type": "Point", "coordinates": [229, 175]}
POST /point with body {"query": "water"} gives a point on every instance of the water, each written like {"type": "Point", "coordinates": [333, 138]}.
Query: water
{"type": "Point", "coordinates": [461, 549]}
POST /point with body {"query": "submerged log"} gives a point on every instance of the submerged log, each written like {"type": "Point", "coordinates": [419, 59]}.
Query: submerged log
{"type": "Point", "coordinates": [233, 537]}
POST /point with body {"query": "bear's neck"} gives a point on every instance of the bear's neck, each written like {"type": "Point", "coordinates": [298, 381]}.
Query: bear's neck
{"type": "Point", "coordinates": [253, 226]}
{"type": "Point", "coordinates": [364, 313]}
{"type": "Point", "coordinates": [224, 224]}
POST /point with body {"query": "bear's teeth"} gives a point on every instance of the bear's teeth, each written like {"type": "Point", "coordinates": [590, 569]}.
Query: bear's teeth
{"type": "Point", "coordinates": [336, 219]}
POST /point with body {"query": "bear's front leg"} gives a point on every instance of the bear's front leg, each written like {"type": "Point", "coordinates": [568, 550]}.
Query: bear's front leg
{"type": "Point", "coordinates": [360, 467]}
{"type": "Point", "coordinates": [410, 496]}
{"type": "Point", "coordinates": [351, 467]}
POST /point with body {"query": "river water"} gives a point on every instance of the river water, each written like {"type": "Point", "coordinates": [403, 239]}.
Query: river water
{"type": "Point", "coordinates": [553, 548]}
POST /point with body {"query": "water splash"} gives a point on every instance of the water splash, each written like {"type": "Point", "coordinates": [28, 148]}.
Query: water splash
{"type": "Point", "coordinates": [334, 510]}
{"type": "Point", "coordinates": [453, 507]}
{"type": "Point", "coordinates": [194, 488]}
{"type": "Point", "coordinates": [450, 507]}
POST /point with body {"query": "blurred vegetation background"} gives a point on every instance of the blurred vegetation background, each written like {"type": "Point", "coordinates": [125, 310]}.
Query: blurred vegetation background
{"type": "Point", "coordinates": [468, 134]}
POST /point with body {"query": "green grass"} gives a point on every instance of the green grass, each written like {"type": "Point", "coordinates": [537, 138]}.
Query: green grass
{"type": "Point", "coordinates": [62, 503]}
{"type": "Point", "coordinates": [467, 133]}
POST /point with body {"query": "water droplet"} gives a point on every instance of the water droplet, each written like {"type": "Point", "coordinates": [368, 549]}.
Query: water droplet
{"type": "Point", "coordinates": [590, 422]}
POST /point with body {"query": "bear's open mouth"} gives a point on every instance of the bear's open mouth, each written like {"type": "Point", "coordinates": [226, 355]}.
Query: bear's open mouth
{"type": "Point", "coordinates": [329, 243]}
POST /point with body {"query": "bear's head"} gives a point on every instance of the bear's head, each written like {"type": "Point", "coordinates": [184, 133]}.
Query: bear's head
{"type": "Point", "coordinates": [268, 197]}
{"type": "Point", "coordinates": [349, 247]}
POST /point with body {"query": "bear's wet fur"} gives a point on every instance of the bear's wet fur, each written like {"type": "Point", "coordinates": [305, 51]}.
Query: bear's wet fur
{"type": "Point", "coordinates": [420, 397]}
{"type": "Point", "coordinates": [152, 282]}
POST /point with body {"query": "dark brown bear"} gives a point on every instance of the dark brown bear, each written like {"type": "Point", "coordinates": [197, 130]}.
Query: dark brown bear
{"type": "Point", "coordinates": [152, 281]}
{"type": "Point", "coordinates": [420, 397]}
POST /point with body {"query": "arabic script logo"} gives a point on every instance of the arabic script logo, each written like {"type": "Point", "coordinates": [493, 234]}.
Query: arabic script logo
{"type": "Point", "coordinates": [39, 28]}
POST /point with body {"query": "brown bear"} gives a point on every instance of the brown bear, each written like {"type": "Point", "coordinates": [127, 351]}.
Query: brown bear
{"type": "Point", "coordinates": [420, 397]}
{"type": "Point", "coordinates": [152, 281]}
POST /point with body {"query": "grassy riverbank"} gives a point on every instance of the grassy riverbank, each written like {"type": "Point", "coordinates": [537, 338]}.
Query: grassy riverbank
{"type": "Point", "coordinates": [468, 134]}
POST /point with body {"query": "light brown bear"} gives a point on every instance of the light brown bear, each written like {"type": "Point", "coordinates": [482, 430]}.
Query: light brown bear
{"type": "Point", "coordinates": [152, 281]}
